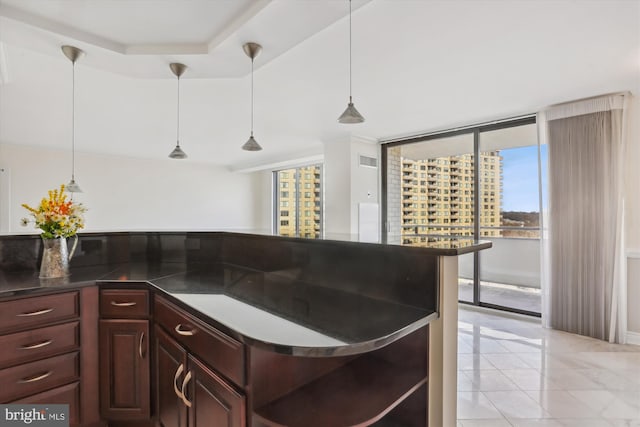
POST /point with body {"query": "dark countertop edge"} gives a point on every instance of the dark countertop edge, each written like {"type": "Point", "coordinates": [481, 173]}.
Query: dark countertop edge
{"type": "Point", "coordinates": [478, 245]}
{"type": "Point", "coordinates": [350, 349]}
{"type": "Point", "coordinates": [43, 290]}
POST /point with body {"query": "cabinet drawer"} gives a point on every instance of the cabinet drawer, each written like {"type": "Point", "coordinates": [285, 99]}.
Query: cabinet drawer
{"type": "Point", "coordinates": [67, 394]}
{"type": "Point", "coordinates": [219, 351]}
{"type": "Point", "coordinates": [28, 312]}
{"type": "Point", "coordinates": [124, 303]}
{"type": "Point", "coordinates": [34, 377]}
{"type": "Point", "coordinates": [37, 343]}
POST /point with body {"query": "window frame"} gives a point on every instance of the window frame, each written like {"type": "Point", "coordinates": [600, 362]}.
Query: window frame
{"type": "Point", "coordinates": [474, 130]}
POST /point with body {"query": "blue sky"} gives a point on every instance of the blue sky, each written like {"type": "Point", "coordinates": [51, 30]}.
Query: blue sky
{"type": "Point", "coordinates": [520, 183]}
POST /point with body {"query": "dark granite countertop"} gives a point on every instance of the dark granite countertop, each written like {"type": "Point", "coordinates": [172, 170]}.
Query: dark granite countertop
{"type": "Point", "coordinates": [312, 297]}
{"type": "Point", "coordinates": [292, 317]}
{"type": "Point", "coordinates": [288, 317]}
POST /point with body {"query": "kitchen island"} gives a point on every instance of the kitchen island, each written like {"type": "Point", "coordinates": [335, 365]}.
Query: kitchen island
{"type": "Point", "coordinates": [296, 331]}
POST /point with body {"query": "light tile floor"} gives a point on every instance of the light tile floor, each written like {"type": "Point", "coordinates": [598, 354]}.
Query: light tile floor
{"type": "Point", "coordinates": [514, 373]}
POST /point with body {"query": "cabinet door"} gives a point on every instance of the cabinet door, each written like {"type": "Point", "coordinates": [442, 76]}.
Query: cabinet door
{"type": "Point", "coordinates": [124, 369]}
{"type": "Point", "coordinates": [171, 368]}
{"type": "Point", "coordinates": [212, 401]}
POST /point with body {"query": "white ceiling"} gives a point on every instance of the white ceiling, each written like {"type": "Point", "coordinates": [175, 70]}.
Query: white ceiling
{"type": "Point", "coordinates": [138, 37]}
{"type": "Point", "coordinates": [417, 66]}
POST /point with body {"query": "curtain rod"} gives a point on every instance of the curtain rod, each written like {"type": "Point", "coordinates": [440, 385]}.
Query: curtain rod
{"type": "Point", "coordinates": [523, 116]}
{"type": "Point", "coordinates": [589, 98]}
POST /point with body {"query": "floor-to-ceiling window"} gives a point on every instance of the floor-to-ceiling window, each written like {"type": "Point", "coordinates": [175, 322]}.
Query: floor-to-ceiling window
{"type": "Point", "coordinates": [482, 182]}
{"type": "Point", "coordinates": [510, 271]}
{"type": "Point", "coordinates": [298, 201]}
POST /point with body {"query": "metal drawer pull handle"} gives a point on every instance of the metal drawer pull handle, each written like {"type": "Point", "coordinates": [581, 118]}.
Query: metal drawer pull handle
{"type": "Point", "coordinates": [184, 385]}
{"type": "Point", "coordinates": [36, 378]}
{"type": "Point", "coordinates": [35, 313]}
{"type": "Point", "coordinates": [34, 346]}
{"type": "Point", "coordinates": [123, 304]}
{"type": "Point", "coordinates": [140, 346]}
{"type": "Point", "coordinates": [175, 379]}
{"type": "Point", "coordinates": [186, 333]}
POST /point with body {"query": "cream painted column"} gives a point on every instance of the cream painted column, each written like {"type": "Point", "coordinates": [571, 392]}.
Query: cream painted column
{"type": "Point", "coordinates": [443, 349]}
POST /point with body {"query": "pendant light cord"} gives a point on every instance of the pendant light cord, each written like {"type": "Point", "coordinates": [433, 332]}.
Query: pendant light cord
{"type": "Point", "coordinates": [251, 96]}
{"type": "Point", "coordinates": [73, 121]}
{"type": "Point", "coordinates": [178, 116]}
{"type": "Point", "coordinates": [350, 79]}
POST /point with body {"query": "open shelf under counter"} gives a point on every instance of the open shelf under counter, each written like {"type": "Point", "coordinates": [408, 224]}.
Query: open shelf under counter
{"type": "Point", "coordinates": [358, 393]}
{"type": "Point", "coordinates": [387, 386]}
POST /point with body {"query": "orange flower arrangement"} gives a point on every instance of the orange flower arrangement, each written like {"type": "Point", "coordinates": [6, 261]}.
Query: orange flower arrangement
{"type": "Point", "coordinates": [56, 216]}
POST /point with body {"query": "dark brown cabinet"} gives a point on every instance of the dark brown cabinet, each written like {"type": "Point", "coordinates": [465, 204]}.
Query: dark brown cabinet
{"type": "Point", "coordinates": [210, 398]}
{"type": "Point", "coordinates": [68, 394]}
{"type": "Point", "coordinates": [171, 361]}
{"type": "Point", "coordinates": [125, 368]}
{"type": "Point", "coordinates": [190, 394]}
{"type": "Point", "coordinates": [41, 358]}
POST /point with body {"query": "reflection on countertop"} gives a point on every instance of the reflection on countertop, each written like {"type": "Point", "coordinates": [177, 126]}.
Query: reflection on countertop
{"type": "Point", "coordinates": [342, 316]}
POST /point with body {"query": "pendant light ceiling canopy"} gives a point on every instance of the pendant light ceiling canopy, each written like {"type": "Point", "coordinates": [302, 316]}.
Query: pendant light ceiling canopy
{"type": "Point", "coordinates": [73, 53]}
{"type": "Point", "coordinates": [252, 50]}
{"type": "Point", "coordinates": [350, 114]}
{"type": "Point", "coordinates": [178, 70]}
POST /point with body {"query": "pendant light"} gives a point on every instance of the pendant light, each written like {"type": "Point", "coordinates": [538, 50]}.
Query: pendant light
{"type": "Point", "coordinates": [177, 153]}
{"type": "Point", "coordinates": [73, 53]}
{"type": "Point", "coordinates": [252, 50]}
{"type": "Point", "coordinates": [350, 115]}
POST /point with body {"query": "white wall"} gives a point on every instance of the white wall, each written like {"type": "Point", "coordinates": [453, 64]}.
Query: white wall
{"type": "Point", "coordinates": [337, 187]}
{"type": "Point", "coordinates": [347, 184]}
{"type": "Point", "coordinates": [633, 296]}
{"type": "Point", "coordinates": [364, 180]}
{"type": "Point", "coordinates": [632, 217]}
{"type": "Point", "coordinates": [632, 178]}
{"type": "Point", "coordinates": [263, 199]}
{"type": "Point", "coordinates": [127, 193]}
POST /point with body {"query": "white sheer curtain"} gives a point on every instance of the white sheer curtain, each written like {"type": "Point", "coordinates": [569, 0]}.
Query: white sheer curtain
{"type": "Point", "coordinates": [584, 268]}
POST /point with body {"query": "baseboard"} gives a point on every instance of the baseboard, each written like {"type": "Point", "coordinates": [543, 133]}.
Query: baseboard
{"type": "Point", "coordinates": [633, 338]}
{"type": "Point", "coordinates": [633, 253]}
{"type": "Point", "coordinates": [497, 312]}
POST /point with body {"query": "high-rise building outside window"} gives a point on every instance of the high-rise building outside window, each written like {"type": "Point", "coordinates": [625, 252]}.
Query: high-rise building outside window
{"type": "Point", "coordinates": [304, 216]}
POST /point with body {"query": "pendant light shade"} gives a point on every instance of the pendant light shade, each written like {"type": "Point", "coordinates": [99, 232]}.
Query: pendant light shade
{"type": "Point", "coordinates": [73, 53]}
{"type": "Point", "coordinates": [350, 114]}
{"type": "Point", "coordinates": [177, 153]}
{"type": "Point", "coordinates": [251, 145]}
{"type": "Point", "coordinates": [178, 70]}
{"type": "Point", "coordinates": [73, 187]}
{"type": "Point", "coordinates": [252, 50]}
